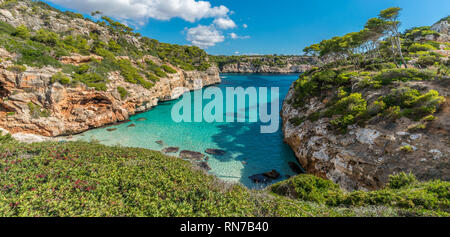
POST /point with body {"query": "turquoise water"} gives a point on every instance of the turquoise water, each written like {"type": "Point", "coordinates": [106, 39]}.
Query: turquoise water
{"type": "Point", "coordinates": [249, 152]}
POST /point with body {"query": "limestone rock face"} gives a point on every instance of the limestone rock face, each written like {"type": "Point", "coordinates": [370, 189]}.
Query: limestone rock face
{"type": "Point", "coordinates": [363, 158]}
{"type": "Point", "coordinates": [79, 59]}
{"type": "Point", "coordinates": [443, 28]}
{"type": "Point", "coordinates": [294, 64]}
{"type": "Point", "coordinates": [72, 110]}
{"type": "Point", "coordinates": [30, 103]}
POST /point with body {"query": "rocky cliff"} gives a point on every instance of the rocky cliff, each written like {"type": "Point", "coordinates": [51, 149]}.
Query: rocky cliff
{"type": "Point", "coordinates": [264, 64]}
{"type": "Point", "coordinates": [71, 110]}
{"type": "Point", "coordinates": [364, 157]}
{"type": "Point", "coordinates": [33, 101]}
{"type": "Point", "coordinates": [356, 126]}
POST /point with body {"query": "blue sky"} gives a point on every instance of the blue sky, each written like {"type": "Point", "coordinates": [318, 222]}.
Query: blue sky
{"type": "Point", "coordinates": [254, 26]}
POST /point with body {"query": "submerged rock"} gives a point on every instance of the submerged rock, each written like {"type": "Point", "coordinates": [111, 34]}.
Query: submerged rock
{"type": "Point", "coordinates": [204, 165]}
{"type": "Point", "coordinates": [171, 150]}
{"type": "Point", "coordinates": [161, 143]}
{"type": "Point", "coordinates": [296, 168]}
{"type": "Point", "coordinates": [260, 178]}
{"type": "Point", "coordinates": [111, 129]}
{"type": "Point", "coordinates": [141, 119]}
{"type": "Point", "coordinates": [131, 125]}
{"type": "Point", "coordinates": [193, 155]}
{"type": "Point", "coordinates": [216, 152]}
{"type": "Point", "coordinates": [272, 174]}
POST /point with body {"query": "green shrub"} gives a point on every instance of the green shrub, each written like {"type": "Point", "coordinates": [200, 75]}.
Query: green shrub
{"type": "Point", "coordinates": [401, 180]}
{"type": "Point", "coordinates": [22, 32]}
{"type": "Point", "coordinates": [47, 37]}
{"type": "Point", "coordinates": [61, 78]}
{"type": "Point", "coordinates": [415, 47]}
{"type": "Point", "coordinates": [93, 80]}
{"type": "Point", "coordinates": [113, 46]}
{"type": "Point", "coordinates": [132, 75]}
{"type": "Point", "coordinates": [307, 187]}
{"type": "Point", "coordinates": [349, 108]}
{"type": "Point", "coordinates": [402, 191]}
{"type": "Point", "coordinates": [414, 104]}
{"type": "Point", "coordinates": [6, 28]}
{"type": "Point", "coordinates": [76, 44]}
{"type": "Point", "coordinates": [407, 148]}
{"type": "Point", "coordinates": [29, 52]}
{"type": "Point", "coordinates": [168, 69]}
{"type": "Point", "coordinates": [427, 61]}
{"type": "Point", "coordinates": [123, 92]}
{"type": "Point", "coordinates": [386, 77]}
{"type": "Point", "coordinates": [5, 138]}
{"type": "Point", "coordinates": [17, 68]}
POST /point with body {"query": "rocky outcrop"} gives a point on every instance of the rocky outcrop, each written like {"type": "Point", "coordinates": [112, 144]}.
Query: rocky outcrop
{"type": "Point", "coordinates": [79, 59]}
{"type": "Point", "coordinates": [246, 67]}
{"type": "Point", "coordinates": [31, 102]}
{"type": "Point", "coordinates": [443, 28]}
{"type": "Point", "coordinates": [69, 110]}
{"type": "Point", "coordinates": [364, 157]}
{"type": "Point", "coordinates": [291, 64]}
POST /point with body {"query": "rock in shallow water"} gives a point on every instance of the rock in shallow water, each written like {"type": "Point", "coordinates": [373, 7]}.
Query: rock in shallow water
{"type": "Point", "coordinates": [260, 179]}
{"type": "Point", "coordinates": [131, 125]}
{"type": "Point", "coordinates": [272, 174]}
{"type": "Point", "coordinates": [111, 129]}
{"type": "Point", "coordinates": [141, 119]}
{"type": "Point", "coordinates": [193, 155]}
{"type": "Point", "coordinates": [171, 150]}
{"type": "Point", "coordinates": [216, 152]}
{"type": "Point", "coordinates": [161, 143]}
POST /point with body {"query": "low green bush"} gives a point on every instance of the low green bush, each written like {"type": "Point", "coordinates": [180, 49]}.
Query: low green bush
{"type": "Point", "coordinates": [428, 60]}
{"type": "Point", "coordinates": [22, 32]}
{"type": "Point", "coordinates": [349, 108]}
{"type": "Point", "coordinates": [307, 188]}
{"type": "Point", "coordinates": [415, 47]}
{"type": "Point", "coordinates": [93, 80]}
{"type": "Point", "coordinates": [61, 78]}
{"type": "Point", "coordinates": [132, 74]}
{"type": "Point", "coordinates": [6, 28]}
{"type": "Point", "coordinates": [5, 138]}
{"type": "Point", "coordinates": [386, 77]}
{"type": "Point", "coordinates": [413, 104]}
{"type": "Point", "coordinates": [123, 92]}
{"type": "Point", "coordinates": [17, 68]}
{"type": "Point", "coordinates": [47, 37]}
{"type": "Point", "coordinates": [401, 180]}
{"type": "Point", "coordinates": [402, 191]}
{"type": "Point", "coordinates": [168, 69]}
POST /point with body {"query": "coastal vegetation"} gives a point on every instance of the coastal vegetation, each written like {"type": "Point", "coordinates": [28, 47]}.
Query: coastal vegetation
{"type": "Point", "coordinates": [373, 60]}
{"type": "Point", "coordinates": [89, 179]}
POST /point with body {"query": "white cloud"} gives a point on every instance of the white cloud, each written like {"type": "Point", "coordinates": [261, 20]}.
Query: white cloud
{"type": "Point", "coordinates": [245, 26]}
{"type": "Point", "coordinates": [235, 36]}
{"type": "Point", "coordinates": [224, 23]}
{"type": "Point", "coordinates": [142, 10]}
{"type": "Point", "coordinates": [204, 36]}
